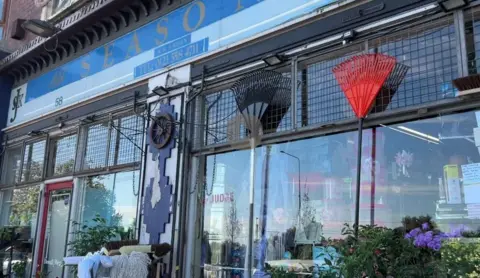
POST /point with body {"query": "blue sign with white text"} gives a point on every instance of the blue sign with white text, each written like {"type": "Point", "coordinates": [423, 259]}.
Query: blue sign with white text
{"type": "Point", "coordinates": [161, 31]}
{"type": "Point", "coordinates": [173, 57]}
{"type": "Point", "coordinates": [199, 27]}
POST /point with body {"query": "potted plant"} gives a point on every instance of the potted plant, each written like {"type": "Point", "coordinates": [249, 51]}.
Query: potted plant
{"type": "Point", "coordinates": [311, 228]}
{"type": "Point", "coordinates": [18, 269]}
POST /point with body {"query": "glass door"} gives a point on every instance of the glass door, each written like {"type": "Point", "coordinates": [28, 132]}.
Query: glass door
{"type": "Point", "coordinates": [55, 221]}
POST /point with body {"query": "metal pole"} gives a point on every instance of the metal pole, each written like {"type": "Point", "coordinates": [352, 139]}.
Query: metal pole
{"type": "Point", "coordinates": [249, 258]}
{"type": "Point", "coordinates": [299, 177]}
{"type": "Point", "coordinates": [359, 171]}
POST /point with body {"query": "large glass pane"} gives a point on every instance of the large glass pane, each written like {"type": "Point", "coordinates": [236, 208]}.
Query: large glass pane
{"type": "Point", "coordinates": [303, 195]}
{"type": "Point", "coordinates": [19, 212]}
{"type": "Point", "coordinates": [64, 150]}
{"type": "Point", "coordinates": [13, 163]}
{"type": "Point", "coordinates": [423, 178]}
{"type": "Point", "coordinates": [114, 197]}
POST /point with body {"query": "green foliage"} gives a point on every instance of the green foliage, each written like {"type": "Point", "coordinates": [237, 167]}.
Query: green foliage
{"type": "Point", "coordinates": [410, 223]}
{"type": "Point", "coordinates": [6, 233]}
{"type": "Point", "coordinates": [91, 238]}
{"type": "Point", "coordinates": [19, 268]}
{"type": "Point", "coordinates": [461, 258]}
{"type": "Point", "coordinates": [382, 252]}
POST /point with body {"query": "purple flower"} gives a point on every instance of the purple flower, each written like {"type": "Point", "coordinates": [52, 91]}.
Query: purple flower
{"type": "Point", "coordinates": [437, 246]}
{"type": "Point", "coordinates": [415, 232]}
{"type": "Point", "coordinates": [428, 235]}
{"type": "Point", "coordinates": [425, 226]}
{"type": "Point", "coordinates": [420, 241]}
{"type": "Point", "coordinates": [408, 236]}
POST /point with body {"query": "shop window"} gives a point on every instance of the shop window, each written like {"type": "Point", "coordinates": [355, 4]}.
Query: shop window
{"type": "Point", "coordinates": [12, 168]}
{"type": "Point", "coordinates": [114, 143]}
{"type": "Point", "coordinates": [33, 161]}
{"type": "Point", "coordinates": [113, 197]}
{"type": "Point", "coordinates": [55, 8]}
{"type": "Point", "coordinates": [423, 174]}
{"type": "Point", "coordinates": [304, 191]}
{"type": "Point", "coordinates": [63, 155]}
{"type": "Point", "coordinates": [19, 212]}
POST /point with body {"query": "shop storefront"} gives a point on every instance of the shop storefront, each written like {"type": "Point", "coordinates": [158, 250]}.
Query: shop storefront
{"type": "Point", "coordinates": [419, 153]}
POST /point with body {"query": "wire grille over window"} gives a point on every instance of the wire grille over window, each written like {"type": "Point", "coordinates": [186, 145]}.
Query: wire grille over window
{"type": "Point", "coordinates": [431, 53]}
{"type": "Point", "coordinates": [114, 143]}
{"type": "Point", "coordinates": [126, 141]}
{"type": "Point", "coordinates": [96, 147]}
{"type": "Point", "coordinates": [13, 165]}
{"type": "Point", "coordinates": [428, 50]}
{"type": "Point", "coordinates": [33, 161]}
{"type": "Point", "coordinates": [64, 150]}
{"type": "Point", "coordinates": [472, 36]}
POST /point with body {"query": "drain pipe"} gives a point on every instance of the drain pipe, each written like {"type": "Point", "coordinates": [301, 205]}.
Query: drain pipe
{"type": "Point", "coordinates": [184, 181]}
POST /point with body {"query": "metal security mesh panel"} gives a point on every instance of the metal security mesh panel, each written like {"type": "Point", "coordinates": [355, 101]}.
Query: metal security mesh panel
{"type": "Point", "coordinates": [472, 36]}
{"type": "Point", "coordinates": [13, 161]}
{"type": "Point", "coordinates": [431, 53]}
{"type": "Point", "coordinates": [96, 146]}
{"type": "Point", "coordinates": [222, 122]}
{"type": "Point", "coordinates": [428, 51]}
{"type": "Point", "coordinates": [64, 150]}
{"type": "Point", "coordinates": [33, 161]}
{"type": "Point", "coordinates": [320, 98]}
{"type": "Point", "coordinates": [127, 138]}
{"type": "Point", "coordinates": [114, 142]}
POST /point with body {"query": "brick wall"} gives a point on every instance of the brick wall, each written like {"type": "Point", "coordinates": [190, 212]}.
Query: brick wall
{"type": "Point", "coordinates": [24, 9]}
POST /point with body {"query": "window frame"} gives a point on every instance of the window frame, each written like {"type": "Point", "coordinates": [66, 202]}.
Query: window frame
{"type": "Point", "coordinates": [45, 159]}
{"type": "Point", "coordinates": [82, 145]}
{"type": "Point", "coordinates": [51, 154]}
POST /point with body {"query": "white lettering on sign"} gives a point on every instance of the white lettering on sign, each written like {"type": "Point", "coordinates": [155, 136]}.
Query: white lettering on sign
{"type": "Point", "coordinates": [219, 198]}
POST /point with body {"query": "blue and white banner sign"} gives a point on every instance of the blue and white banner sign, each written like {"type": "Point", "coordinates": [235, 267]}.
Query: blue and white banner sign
{"type": "Point", "coordinates": [195, 29]}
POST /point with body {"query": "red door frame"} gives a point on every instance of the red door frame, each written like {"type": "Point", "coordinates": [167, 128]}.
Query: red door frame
{"type": "Point", "coordinates": [46, 203]}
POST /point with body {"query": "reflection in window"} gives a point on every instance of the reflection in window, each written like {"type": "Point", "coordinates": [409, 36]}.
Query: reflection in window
{"type": "Point", "coordinates": [12, 168]}
{"type": "Point", "coordinates": [420, 175]}
{"type": "Point", "coordinates": [64, 150]}
{"type": "Point", "coordinates": [290, 216]}
{"type": "Point", "coordinates": [19, 210]}
{"type": "Point", "coordinates": [33, 160]}
{"type": "Point", "coordinates": [114, 197]}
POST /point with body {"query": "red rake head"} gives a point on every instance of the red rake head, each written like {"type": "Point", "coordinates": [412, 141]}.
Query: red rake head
{"type": "Point", "coordinates": [361, 79]}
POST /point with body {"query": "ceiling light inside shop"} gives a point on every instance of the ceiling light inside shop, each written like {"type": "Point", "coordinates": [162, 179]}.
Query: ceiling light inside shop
{"type": "Point", "coordinates": [40, 28]}
{"type": "Point", "coordinates": [412, 135]}
{"type": "Point", "coordinates": [418, 133]}
{"type": "Point", "coordinates": [450, 5]}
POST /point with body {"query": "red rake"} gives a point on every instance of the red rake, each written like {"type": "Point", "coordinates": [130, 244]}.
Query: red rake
{"type": "Point", "coordinates": [361, 79]}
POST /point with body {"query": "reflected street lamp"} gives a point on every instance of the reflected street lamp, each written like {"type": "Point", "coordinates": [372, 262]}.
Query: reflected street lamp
{"type": "Point", "coordinates": [299, 186]}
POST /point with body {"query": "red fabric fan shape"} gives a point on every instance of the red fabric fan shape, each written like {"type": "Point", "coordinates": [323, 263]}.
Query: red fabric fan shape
{"type": "Point", "coordinates": [361, 79]}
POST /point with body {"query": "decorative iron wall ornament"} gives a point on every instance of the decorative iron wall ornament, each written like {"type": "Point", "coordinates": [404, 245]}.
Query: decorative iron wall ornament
{"type": "Point", "coordinates": [161, 130]}
{"type": "Point", "coordinates": [158, 196]}
{"type": "Point", "coordinates": [256, 95]}
{"type": "Point", "coordinates": [362, 78]}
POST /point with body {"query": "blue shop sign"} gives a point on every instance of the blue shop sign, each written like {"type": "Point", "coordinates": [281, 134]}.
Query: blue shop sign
{"type": "Point", "coordinates": [167, 33]}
